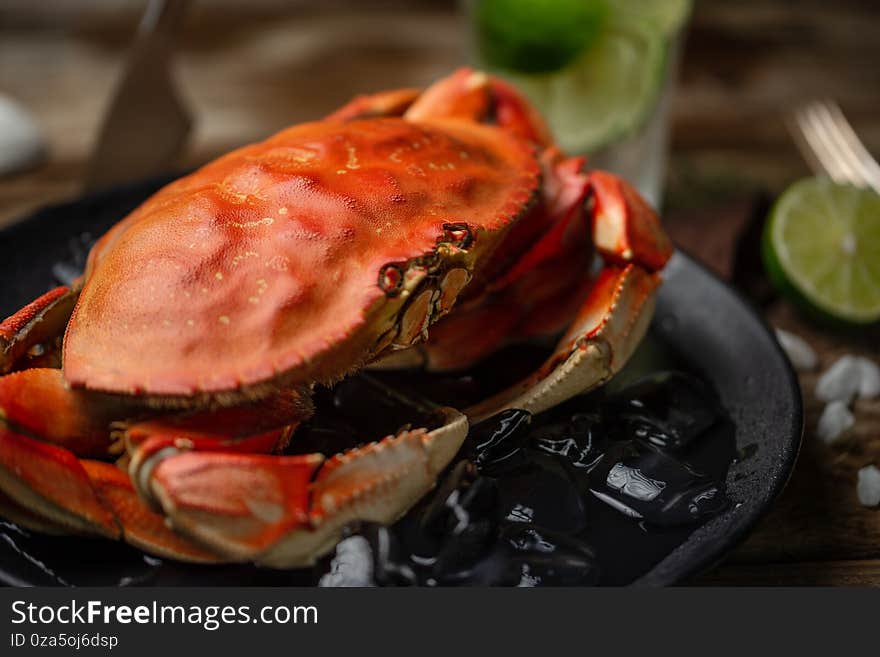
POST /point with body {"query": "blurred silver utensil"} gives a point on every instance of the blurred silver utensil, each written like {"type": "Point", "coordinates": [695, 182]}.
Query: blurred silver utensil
{"type": "Point", "coordinates": [830, 145]}
{"type": "Point", "coordinates": [22, 144]}
{"type": "Point", "coordinates": [146, 123]}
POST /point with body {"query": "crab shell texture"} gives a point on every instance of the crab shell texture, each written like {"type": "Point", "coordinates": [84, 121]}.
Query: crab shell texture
{"type": "Point", "coordinates": [266, 262]}
{"type": "Point", "coordinates": [205, 317]}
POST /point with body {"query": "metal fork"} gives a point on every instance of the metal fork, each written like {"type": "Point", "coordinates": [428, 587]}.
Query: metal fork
{"type": "Point", "coordinates": [830, 145]}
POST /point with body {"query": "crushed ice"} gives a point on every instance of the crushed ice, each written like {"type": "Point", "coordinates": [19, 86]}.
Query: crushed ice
{"type": "Point", "coordinates": [840, 382]}
{"type": "Point", "coordinates": [834, 422]}
{"type": "Point", "coordinates": [869, 384]}
{"type": "Point", "coordinates": [798, 350]}
{"type": "Point", "coordinates": [868, 487]}
{"type": "Point", "coordinates": [849, 377]}
{"type": "Point", "coordinates": [351, 566]}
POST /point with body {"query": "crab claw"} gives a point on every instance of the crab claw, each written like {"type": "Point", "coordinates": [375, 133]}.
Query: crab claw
{"type": "Point", "coordinates": [45, 486]}
{"type": "Point", "coordinates": [287, 511]}
{"type": "Point", "coordinates": [376, 482]}
{"type": "Point", "coordinates": [47, 489]}
{"type": "Point", "coordinates": [625, 228]}
{"type": "Point", "coordinates": [140, 526]}
{"type": "Point", "coordinates": [239, 504]}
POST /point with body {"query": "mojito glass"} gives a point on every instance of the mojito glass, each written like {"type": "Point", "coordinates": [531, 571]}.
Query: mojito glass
{"type": "Point", "coordinates": [600, 71]}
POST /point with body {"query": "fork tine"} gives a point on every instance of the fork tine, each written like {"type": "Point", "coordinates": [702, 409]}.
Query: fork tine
{"type": "Point", "coordinates": [828, 141]}
{"type": "Point", "coordinates": [797, 130]}
{"type": "Point", "coordinates": [849, 163]}
{"type": "Point", "coordinates": [815, 147]}
{"type": "Point", "coordinates": [859, 155]}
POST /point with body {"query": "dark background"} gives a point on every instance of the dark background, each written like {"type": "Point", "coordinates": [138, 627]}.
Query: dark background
{"type": "Point", "coordinates": [250, 68]}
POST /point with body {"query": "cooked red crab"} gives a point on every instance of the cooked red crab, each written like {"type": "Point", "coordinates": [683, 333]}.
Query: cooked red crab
{"type": "Point", "coordinates": [204, 318]}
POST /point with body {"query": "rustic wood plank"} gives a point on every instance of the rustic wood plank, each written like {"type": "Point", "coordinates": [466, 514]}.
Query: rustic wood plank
{"type": "Point", "coordinates": [819, 517]}
{"type": "Point", "coordinates": [264, 75]}
{"type": "Point", "coordinates": [806, 573]}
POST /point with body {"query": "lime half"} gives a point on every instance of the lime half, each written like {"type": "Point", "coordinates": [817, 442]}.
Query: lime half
{"type": "Point", "coordinates": [821, 248]}
{"type": "Point", "coordinates": [536, 36]}
{"type": "Point", "coordinates": [605, 94]}
{"type": "Point", "coordinates": [594, 68]}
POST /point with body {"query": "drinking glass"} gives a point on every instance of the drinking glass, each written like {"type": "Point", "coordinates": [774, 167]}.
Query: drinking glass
{"type": "Point", "coordinates": [636, 148]}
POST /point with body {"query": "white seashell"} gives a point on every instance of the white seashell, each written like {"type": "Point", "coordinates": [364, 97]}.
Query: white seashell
{"type": "Point", "coordinates": [21, 143]}
{"type": "Point", "coordinates": [835, 421]}
{"type": "Point", "coordinates": [798, 350]}
{"type": "Point", "coordinates": [868, 486]}
{"type": "Point", "coordinates": [869, 385]}
{"type": "Point", "coordinates": [841, 381]}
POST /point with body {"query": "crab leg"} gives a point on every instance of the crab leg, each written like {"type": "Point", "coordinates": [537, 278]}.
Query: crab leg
{"type": "Point", "coordinates": [32, 335]}
{"type": "Point", "coordinates": [85, 497]}
{"type": "Point", "coordinates": [386, 103]}
{"type": "Point", "coordinates": [239, 504]}
{"type": "Point", "coordinates": [603, 335]}
{"type": "Point", "coordinates": [616, 306]}
{"type": "Point", "coordinates": [45, 486]}
{"type": "Point", "coordinates": [21, 516]}
{"type": "Point", "coordinates": [625, 228]}
{"type": "Point", "coordinates": [234, 431]}
{"type": "Point", "coordinates": [261, 426]}
{"type": "Point", "coordinates": [140, 526]}
{"type": "Point", "coordinates": [287, 511]}
{"type": "Point", "coordinates": [201, 472]}
{"type": "Point", "coordinates": [51, 482]}
{"type": "Point", "coordinates": [475, 96]}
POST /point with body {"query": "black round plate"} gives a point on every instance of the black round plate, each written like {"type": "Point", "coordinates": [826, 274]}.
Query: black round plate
{"type": "Point", "coordinates": [706, 323]}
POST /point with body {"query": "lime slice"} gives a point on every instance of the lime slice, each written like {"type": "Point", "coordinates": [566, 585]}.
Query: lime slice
{"type": "Point", "coordinates": [822, 249]}
{"type": "Point", "coordinates": [608, 92]}
{"type": "Point", "coordinates": [667, 15]}
{"type": "Point", "coordinates": [536, 36]}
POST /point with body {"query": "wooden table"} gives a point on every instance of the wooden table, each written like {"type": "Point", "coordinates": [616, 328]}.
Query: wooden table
{"type": "Point", "coordinates": [249, 73]}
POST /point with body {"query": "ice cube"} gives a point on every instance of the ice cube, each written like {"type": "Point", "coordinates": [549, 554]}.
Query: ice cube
{"type": "Point", "coordinates": [351, 566]}
{"type": "Point", "coordinates": [869, 486]}
{"type": "Point", "coordinates": [643, 481]}
{"type": "Point", "coordinates": [841, 381]}
{"type": "Point", "coordinates": [798, 350]}
{"type": "Point", "coordinates": [577, 441]}
{"type": "Point", "coordinates": [668, 409]}
{"type": "Point", "coordinates": [835, 420]}
{"type": "Point", "coordinates": [869, 384]}
{"type": "Point", "coordinates": [547, 490]}
{"type": "Point", "coordinates": [548, 558]}
{"type": "Point", "coordinates": [496, 445]}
